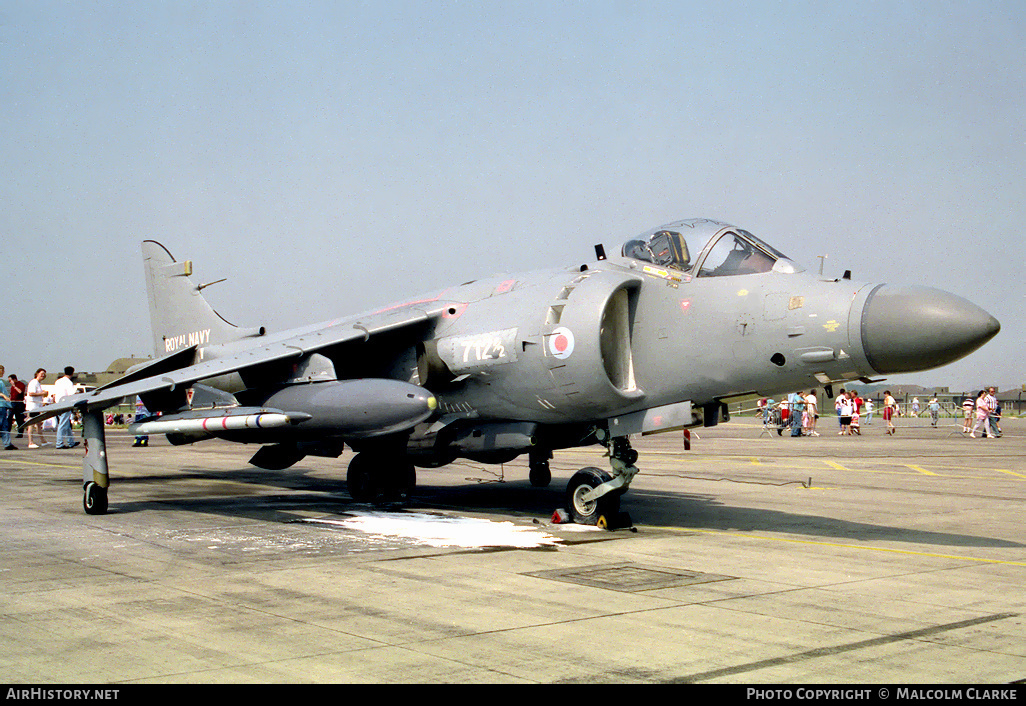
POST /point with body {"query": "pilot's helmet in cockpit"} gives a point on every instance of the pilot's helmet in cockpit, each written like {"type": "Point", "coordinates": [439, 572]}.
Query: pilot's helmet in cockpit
{"type": "Point", "coordinates": [670, 249]}
{"type": "Point", "coordinates": [637, 249]}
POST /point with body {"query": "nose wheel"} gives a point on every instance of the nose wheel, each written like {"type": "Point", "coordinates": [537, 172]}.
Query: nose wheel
{"type": "Point", "coordinates": [593, 494]}
{"type": "Point", "coordinates": [583, 509]}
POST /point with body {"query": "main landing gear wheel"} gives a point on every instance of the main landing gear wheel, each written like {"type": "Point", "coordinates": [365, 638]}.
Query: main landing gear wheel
{"type": "Point", "coordinates": [538, 468]}
{"type": "Point", "coordinates": [361, 481]}
{"type": "Point", "coordinates": [400, 480]}
{"type": "Point", "coordinates": [588, 513]}
{"type": "Point", "coordinates": [540, 475]}
{"type": "Point", "coordinates": [380, 478]}
{"type": "Point", "coordinates": [94, 499]}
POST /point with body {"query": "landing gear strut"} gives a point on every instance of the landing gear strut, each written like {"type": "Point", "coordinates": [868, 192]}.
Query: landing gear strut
{"type": "Point", "coordinates": [593, 495]}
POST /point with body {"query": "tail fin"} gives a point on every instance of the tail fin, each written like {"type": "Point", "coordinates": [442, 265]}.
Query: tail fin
{"type": "Point", "coordinates": [179, 314]}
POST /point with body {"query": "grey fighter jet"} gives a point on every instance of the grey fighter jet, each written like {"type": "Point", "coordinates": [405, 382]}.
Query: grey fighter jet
{"type": "Point", "coordinates": [687, 317]}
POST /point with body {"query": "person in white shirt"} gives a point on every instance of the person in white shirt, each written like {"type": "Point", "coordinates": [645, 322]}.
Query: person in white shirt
{"type": "Point", "coordinates": [995, 414]}
{"type": "Point", "coordinates": [890, 409]}
{"type": "Point", "coordinates": [35, 396]}
{"type": "Point", "coordinates": [967, 412]}
{"type": "Point", "coordinates": [64, 387]}
{"type": "Point", "coordinates": [811, 406]}
{"type": "Point", "coordinates": [844, 408]}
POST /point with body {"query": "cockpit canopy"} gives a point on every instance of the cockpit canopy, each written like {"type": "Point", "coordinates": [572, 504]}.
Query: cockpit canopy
{"type": "Point", "coordinates": [716, 249]}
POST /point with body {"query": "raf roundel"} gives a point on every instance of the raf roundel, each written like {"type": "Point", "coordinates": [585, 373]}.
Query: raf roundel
{"type": "Point", "coordinates": [561, 342]}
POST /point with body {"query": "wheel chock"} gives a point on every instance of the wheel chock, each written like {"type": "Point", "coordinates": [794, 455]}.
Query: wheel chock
{"type": "Point", "coordinates": [621, 520]}
{"type": "Point", "coordinates": [561, 517]}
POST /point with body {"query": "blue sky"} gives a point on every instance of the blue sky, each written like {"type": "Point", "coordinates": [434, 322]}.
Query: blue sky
{"type": "Point", "coordinates": [331, 157]}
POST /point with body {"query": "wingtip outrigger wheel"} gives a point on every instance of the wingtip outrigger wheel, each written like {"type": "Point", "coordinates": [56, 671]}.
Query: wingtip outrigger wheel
{"type": "Point", "coordinates": [95, 478]}
{"type": "Point", "coordinates": [94, 499]}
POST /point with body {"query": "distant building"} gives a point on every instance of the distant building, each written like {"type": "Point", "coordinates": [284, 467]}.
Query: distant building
{"type": "Point", "coordinates": [114, 371]}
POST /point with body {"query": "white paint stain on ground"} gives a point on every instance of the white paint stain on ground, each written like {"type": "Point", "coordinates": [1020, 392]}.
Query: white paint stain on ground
{"type": "Point", "coordinates": [441, 531]}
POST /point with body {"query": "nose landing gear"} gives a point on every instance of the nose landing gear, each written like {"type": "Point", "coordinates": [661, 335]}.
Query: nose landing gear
{"type": "Point", "coordinates": [593, 495]}
{"type": "Point", "coordinates": [585, 507]}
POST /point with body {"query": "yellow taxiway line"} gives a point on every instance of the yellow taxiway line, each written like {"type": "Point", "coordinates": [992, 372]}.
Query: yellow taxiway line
{"type": "Point", "coordinates": [845, 546]}
{"type": "Point", "coordinates": [38, 463]}
{"type": "Point", "coordinates": [1011, 473]}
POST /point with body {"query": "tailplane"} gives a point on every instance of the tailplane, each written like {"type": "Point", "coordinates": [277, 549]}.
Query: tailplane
{"type": "Point", "coordinates": [179, 314]}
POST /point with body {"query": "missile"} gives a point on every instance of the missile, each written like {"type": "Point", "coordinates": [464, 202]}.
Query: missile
{"type": "Point", "coordinates": [213, 424]}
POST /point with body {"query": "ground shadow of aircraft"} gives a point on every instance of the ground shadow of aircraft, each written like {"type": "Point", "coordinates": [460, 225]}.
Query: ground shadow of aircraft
{"type": "Point", "coordinates": [709, 514]}
{"type": "Point", "coordinates": [303, 491]}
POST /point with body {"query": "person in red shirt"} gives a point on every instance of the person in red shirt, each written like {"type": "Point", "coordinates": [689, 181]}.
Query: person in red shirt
{"type": "Point", "coordinates": [17, 402]}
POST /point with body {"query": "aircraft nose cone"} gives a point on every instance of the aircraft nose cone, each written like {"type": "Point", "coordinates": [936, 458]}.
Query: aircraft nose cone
{"type": "Point", "coordinates": [905, 329]}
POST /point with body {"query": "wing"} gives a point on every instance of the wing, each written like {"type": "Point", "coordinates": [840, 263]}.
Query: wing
{"type": "Point", "coordinates": [173, 374]}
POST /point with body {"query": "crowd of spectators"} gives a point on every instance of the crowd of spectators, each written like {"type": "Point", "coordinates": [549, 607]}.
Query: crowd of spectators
{"type": "Point", "coordinates": [800, 412]}
{"type": "Point", "coordinates": [18, 399]}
